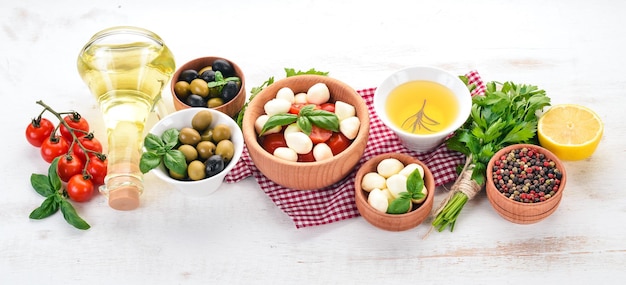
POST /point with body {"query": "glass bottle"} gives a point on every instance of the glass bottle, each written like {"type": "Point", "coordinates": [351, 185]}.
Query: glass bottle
{"type": "Point", "coordinates": [125, 68]}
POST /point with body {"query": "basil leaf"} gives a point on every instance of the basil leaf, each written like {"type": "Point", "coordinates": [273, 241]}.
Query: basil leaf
{"type": "Point", "coordinates": [48, 207]}
{"type": "Point", "coordinates": [306, 110]}
{"type": "Point", "coordinates": [149, 160]}
{"type": "Point", "coordinates": [400, 205]}
{"type": "Point", "coordinates": [175, 161]}
{"type": "Point", "coordinates": [324, 119]}
{"type": "Point", "coordinates": [278, 120]}
{"type": "Point", "coordinates": [53, 177]}
{"type": "Point", "coordinates": [153, 142]}
{"type": "Point", "coordinates": [70, 215]}
{"type": "Point", "coordinates": [415, 182]}
{"type": "Point", "coordinates": [170, 138]}
{"type": "Point", "coordinates": [41, 184]}
{"type": "Point", "coordinates": [305, 125]}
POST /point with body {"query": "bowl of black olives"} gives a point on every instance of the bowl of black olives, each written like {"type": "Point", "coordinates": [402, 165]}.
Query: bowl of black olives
{"type": "Point", "coordinates": [211, 82]}
{"type": "Point", "coordinates": [197, 148]}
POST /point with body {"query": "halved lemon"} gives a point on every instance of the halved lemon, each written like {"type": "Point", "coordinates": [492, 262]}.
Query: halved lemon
{"type": "Point", "coordinates": [570, 131]}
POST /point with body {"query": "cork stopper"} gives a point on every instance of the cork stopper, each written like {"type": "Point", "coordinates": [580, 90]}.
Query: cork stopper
{"type": "Point", "coordinates": [125, 198]}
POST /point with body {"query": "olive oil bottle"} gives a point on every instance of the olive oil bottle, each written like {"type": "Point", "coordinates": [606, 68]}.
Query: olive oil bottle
{"type": "Point", "coordinates": [126, 69]}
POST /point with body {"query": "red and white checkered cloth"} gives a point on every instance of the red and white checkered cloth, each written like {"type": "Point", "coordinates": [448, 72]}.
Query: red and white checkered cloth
{"type": "Point", "coordinates": [335, 203]}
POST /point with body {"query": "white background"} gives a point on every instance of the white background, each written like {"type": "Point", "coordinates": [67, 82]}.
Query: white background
{"type": "Point", "coordinates": [572, 49]}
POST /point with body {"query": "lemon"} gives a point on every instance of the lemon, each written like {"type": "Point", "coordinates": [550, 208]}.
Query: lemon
{"type": "Point", "coordinates": [570, 131]}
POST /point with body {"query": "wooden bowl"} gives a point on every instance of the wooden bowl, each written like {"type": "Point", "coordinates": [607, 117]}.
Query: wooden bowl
{"type": "Point", "coordinates": [393, 222]}
{"type": "Point", "coordinates": [519, 212]}
{"type": "Point", "coordinates": [306, 175]}
{"type": "Point", "coordinates": [232, 107]}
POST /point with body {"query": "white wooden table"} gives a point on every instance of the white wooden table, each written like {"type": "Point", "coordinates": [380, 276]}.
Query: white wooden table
{"type": "Point", "coordinates": [572, 49]}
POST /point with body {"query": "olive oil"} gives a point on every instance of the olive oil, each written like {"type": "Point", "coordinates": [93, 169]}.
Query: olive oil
{"type": "Point", "coordinates": [422, 107]}
{"type": "Point", "coordinates": [125, 69]}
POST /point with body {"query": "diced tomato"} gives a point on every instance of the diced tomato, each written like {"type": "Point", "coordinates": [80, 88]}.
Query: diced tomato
{"type": "Point", "coordinates": [273, 141]}
{"type": "Point", "coordinates": [330, 107]}
{"type": "Point", "coordinates": [338, 143]}
{"type": "Point", "coordinates": [319, 135]}
{"type": "Point", "coordinates": [307, 157]}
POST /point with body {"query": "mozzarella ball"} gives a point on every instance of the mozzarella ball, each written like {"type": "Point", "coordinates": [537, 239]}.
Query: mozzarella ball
{"type": "Point", "coordinates": [318, 94]}
{"type": "Point", "coordinates": [344, 110]}
{"type": "Point", "coordinates": [372, 180]}
{"type": "Point", "coordinates": [276, 106]}
{"type": "Point", "coordinates": [396, 184]}
{"type": "Point", "coordinates": [349, 127]}
{"type": "Point", "coordinates": [286, 154]}
{"type": "Point", "coordinates": [407, 170]}
{"type": "Point", "coordinates": [299, 142]}
{"type": "Point", "coordinates": [389, 166]}
{"type": "Point", "coordinates": [285, 93]}
{"type": "Point", "coordinates": [300, 98]}
{"type": "Point", "coordinates": [260, 122]}
{"type": "Point", "coordinates": [419, 201]}
{"type": "Point", "coordinates": [378, 200]}
{"type": "Point", "coordinates": [322, 151]}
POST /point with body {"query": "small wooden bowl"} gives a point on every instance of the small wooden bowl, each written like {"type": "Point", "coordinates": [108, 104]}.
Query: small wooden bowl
{"type": "Point", "coordinates": [306, 175]}
{"type": "Point", "coordinates": [393, 222]}
{"type": "Point", "coordinates": [232, 107]}
{"type": "Point", "coordinates": [519, 212]}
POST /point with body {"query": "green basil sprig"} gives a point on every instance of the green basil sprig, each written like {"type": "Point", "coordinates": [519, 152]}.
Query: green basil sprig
{"type": "Point", "coordinates": [414, 185]}
{"type": "Point", "coordinates": [50, 187]}
{"type": "Point", "coordinates": [162, 149]}
{"type": "Point", "coordinates": [307, 117]}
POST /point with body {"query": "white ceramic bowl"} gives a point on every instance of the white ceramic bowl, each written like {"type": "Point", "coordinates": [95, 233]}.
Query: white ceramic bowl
{"type": "Point", "coordinates": [182, 118]}
{"type": "Point", "coordinates": [423, 142]}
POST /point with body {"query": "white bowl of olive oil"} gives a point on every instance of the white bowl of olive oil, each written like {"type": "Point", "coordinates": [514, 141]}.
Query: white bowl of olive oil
{"type": "Point", "coordinates": [422, 105]}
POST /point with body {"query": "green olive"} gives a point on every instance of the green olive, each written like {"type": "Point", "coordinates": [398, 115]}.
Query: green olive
{"type": "Point", "coordinates": [199, 87]}
{"type": "Point", "coordinates": [196, 170]}
{"type": "Point", "coordinates": [202, 120]}
{"type": "Point", "coordinates": [189, 152]}
{"type": "Point", "coordinates": [177, 176]}
{"type": "Point", "coordinates": [221, 132]}
{"type": "Point", "coordinates": [215, 102]}
{"type": "Point", "coordinates": [226, 149]}
{"type": "Point", "coordinates": [205, 149]}
{"type": "Point", "coordinates": [207, 135]}
{"type": "Point", "coordinates": [189, 136]}
{"type": "Point", "coordinates": [181, 89]}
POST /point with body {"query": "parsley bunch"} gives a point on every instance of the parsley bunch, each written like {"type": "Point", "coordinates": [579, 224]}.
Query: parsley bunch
{"type": "Point", "coordinates": [505, 115]}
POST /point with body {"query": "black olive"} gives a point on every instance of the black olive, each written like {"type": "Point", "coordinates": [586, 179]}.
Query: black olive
{"type": "Point", "coordinates": [188, 75]}
{"type": "Point", "coordinates": [224, 67]}
{"type": "Point", "coordinates": [195, 100]}
{"type": "Point", "coordinates": [229, 91]}
{"type": "Point", "coordinates": [214, 165]}
{"type": "Point", "coordinates": [207, 75]}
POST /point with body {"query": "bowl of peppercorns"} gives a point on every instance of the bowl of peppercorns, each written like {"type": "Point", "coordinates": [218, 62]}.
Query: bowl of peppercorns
{"type": "Point", "coordinates": [211, 82]}
{"type": "Point", "coordinates": [525, 183]}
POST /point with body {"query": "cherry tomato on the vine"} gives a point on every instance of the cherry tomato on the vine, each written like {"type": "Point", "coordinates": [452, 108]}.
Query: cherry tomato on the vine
{"type": "Point", "coordinates": [80, 189]}
{"type": "Point", "coordinates": [68, 166]}
{"type": "Point", "coordinates": [38, 131]}
{"type": "Point", "coordinates": [79, 125]}
{"type": "Point", "coordinates": [338, 143]}
{"type": "Point", "coordinates": [97, 169]}
{"type": "Point", "coordinates": [53, 147]}
{"type": "Point", "coordinates": [88, 143]}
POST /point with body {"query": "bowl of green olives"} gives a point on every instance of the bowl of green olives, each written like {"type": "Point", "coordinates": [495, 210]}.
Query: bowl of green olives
{"type": "Point", "coordinates": [211, 143]}
{"type": "Point", "coordinates": [211, 82]}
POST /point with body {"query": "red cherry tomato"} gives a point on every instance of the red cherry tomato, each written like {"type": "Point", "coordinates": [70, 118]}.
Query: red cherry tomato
{"type": "Point", "coordinates": [97, 168]}
{"type": "Point", "coordinates": [273, 141]}
{"type": "Point", "coordinates": [92, 144]}
{"type": "Point", "coordinates": [79, 125]}
{"type": "Point", "coordinates": [338, 143]}
{"type": "Point", "coordinates": [53, 147]}
{"type": "Point", "coordinates": [80, 189]}
{"type": "Point", "coordinates": [38, 131]}
{"type": "Point", "coordinates": [307, 157]}
{"type": "Point", "coordinates": [68, 166]}
{"type": "Point", "coordinates": [330, 107]}
{"type": "Point", "coordinates": [295, 108]}
{"type": "Point", "coordinates": [319, 135]}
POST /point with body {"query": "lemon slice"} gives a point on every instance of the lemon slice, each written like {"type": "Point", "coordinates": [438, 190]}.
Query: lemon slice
{"type": "Point", "coordinates": [570, 131]}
